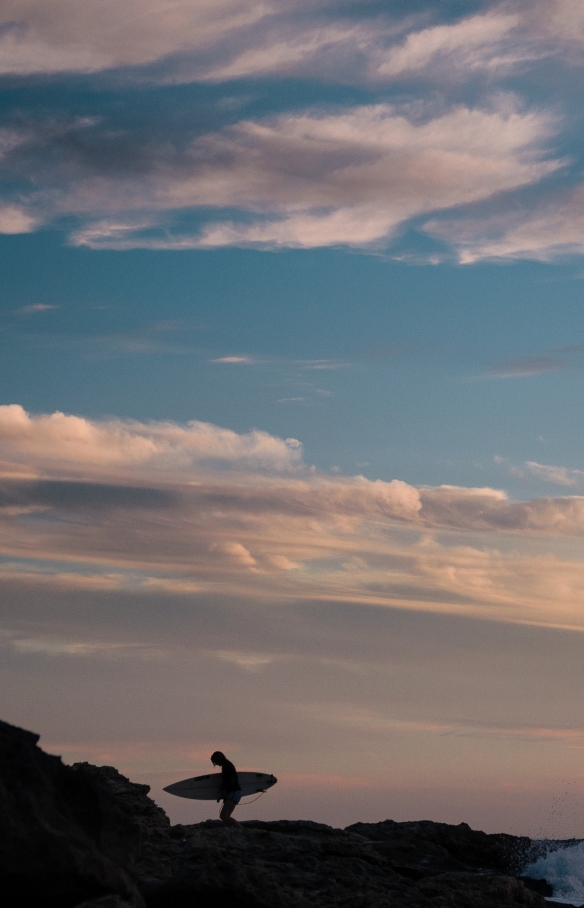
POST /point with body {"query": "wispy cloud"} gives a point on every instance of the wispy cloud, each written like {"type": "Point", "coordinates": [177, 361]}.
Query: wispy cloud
{"type": "Point", "coordinates": [297, 47]}
{"type": "Point", "coordinates": [476, 42]}
{"type": "Point", "coordinates": [226, 40]}
{"type": "Point", "coordinates": [36, 307]}
{"type": "Point", "coordinates": [241, 359]}
{"type": "Point", "coordinates": [167, 338]}
{"type": "Point", "coordinates": [562, 476]}
{"type": "Point", "coordinates": [547, 229]}
{"type": "Point", "coordinates": [372, 720]}
{"type": "Point", "coordinates": [15, 219]}
{"type": "Point", "coordinates": [558, 24]}
{"type": "Point", "coordinates": [235, 360]}
{"type": "Point", "coordinates": [55, 647]}
{"type": "Point", "coordinates": [319, 179]}
{"type": "Point", "coordinates": [556, 359]}
{"type": "Point", "coordinates": [524, 367]}
{"type": "Point", "coordinates": [269, 527]}
{"type": "Point", "coordinates": [64, 36]}
{"type": "Point", "coordinates": [353, 176]}
{"type": "Point", "coordinates": [322, 365]}
{"type": "Point", "coordinates": [249, 661]}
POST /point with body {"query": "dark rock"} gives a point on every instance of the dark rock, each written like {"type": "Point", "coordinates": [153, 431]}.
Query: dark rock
{"type": "Point", "coordinates": [87, 837]}
{"type": "Point", "coordinates": [438, 844]}
{"type": "Point", "coordinates": [291, 864]}
{"type": "Point", "coordinates": [541, 886]}
{"type": "Point", "coordinates": [106, 901]}
{"type": "Point", "coordinates": [212, 888]}
{"type": "Point", "coordinates": [471, 890]}
{"type": "Point", "coordinates": [63, 837]}
{"type": "Point", "coordinates": [131, 797]}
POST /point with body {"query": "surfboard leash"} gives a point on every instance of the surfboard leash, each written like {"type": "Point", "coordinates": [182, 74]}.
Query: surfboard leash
{"type": "Point", "coordinates": [246, 803]}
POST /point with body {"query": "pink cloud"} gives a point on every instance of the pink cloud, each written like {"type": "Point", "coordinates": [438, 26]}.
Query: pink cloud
{"type": "Point", "coordinates": [269, 528]}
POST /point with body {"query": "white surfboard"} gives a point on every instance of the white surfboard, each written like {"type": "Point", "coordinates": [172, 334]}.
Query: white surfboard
{"type": "Point", "coordinates": [208, 788]}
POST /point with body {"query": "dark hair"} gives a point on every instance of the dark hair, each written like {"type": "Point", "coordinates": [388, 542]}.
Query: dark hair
{"type": "Point", "coordinates": [218, 758]}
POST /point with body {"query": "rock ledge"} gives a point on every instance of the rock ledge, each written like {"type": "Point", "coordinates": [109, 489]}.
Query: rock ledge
{"type": "Point", "coordinates": [84, 836]}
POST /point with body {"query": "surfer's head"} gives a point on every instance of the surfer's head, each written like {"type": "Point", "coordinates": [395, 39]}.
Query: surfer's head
{"type": "Point", "coordinates": [218, 759]}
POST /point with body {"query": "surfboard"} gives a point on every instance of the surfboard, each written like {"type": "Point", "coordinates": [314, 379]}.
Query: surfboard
{"type": "Point", "coordinates": [207, 788]}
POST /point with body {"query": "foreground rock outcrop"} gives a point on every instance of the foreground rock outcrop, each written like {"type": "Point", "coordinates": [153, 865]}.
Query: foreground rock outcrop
{"type": "Point", "coordinates": [87, 836]}
{"type": "Point", "coordinates": [294, 864]}
{"type": "Point", "coordinates": [63, 836]}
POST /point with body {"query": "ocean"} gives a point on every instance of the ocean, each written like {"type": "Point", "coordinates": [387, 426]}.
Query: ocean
{"type": "Point", "coordinates": [563, 868]}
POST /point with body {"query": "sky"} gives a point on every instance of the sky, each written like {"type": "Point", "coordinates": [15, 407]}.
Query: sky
{"type": "Point", "coordinates": [292, 350]}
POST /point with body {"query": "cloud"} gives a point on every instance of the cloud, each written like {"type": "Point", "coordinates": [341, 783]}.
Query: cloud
{"type": "Point", "coordinates": [169, 338]}
{"type": "Point", "coordinates": [82, 495]}
{"type": "Point", "coordinates": [47, 646]}
{"type": "Point", "coordinates": [251, 474]}
{"type": "Point", "coordinates": [235, 360]}
{"type": "Point", "coordinates": [212, 512]}
{"type": "Point", "coordinates": [37, 307]}
{"type": "Point", "coordinates": [562, 476]}
{"type": "Point", "coordinates": [59, 443]}
{"type": "Point", "coordinates": [283, 563]}
{"type": "Point", "coordinates": [476, 509]}
{"type": "Point", "coordinates": [472, 43]}
{"type": "Point", "coordinates": [297, 47]}
{"type": "Point", "coordinates": [528, 366]}
{"type": "Point", "coordinates": [387, 678]}
{"type": "Point", "coordinates": [224, 40]}
{"type": "Point", "coordinates": [524, 367]}
{"type": "Point", "coordinates": [221, 40]}
{"type": "Point", "coordinates": [376, 721]}
{"type": "Point", "coordinates": [235, 552]}
{"type": "Point", "coordinates": [347, 176]}
{"type": "Point", "coordinates": [14, 219]}
{"type": "Point", "coordinates": [45, 36]}
{"type": "Point", "coordinates": [316, 178]}
{"type": "Point", "coordinates": [549, 229]}
{"type": "Point", "coordinates": [251, 662]}
{"type": "Point", "coordinates": [181, 41]}
{"type": "Point", "coordinates": [559, 24]}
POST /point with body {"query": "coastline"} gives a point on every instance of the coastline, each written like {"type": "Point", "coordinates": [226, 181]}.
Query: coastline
{"type": "Point", "coordinates": [84, 836]}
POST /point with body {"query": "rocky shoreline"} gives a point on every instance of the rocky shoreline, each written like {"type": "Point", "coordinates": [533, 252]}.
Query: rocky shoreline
{"type": "Point", "coordinates": [86, 837]}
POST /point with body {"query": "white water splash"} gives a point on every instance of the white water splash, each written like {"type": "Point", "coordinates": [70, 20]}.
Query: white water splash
{"type": "Point", "coordinates": [564, 870]}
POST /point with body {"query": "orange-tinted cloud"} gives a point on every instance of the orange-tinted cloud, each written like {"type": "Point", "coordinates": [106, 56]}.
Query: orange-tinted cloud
{"type": "Point", "coordinates": [210, 510]}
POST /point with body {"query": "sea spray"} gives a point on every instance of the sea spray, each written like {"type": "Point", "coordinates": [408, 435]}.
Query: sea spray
{"type": "Point", "coordinates": [563, 868]}
{"type": "Point", "coordinates": [563, 815]}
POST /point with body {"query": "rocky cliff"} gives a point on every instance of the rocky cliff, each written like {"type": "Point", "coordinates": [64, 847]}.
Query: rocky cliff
{"type": "Point", "coordinates": [86, 837]}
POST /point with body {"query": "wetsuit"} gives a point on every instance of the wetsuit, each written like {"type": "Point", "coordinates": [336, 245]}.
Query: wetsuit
{"type": "Point", "coordinates": [229, 781]}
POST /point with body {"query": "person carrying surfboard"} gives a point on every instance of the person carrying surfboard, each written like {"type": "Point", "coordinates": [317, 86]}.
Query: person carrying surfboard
{"type": "Point", "coordinates": [230, 788]}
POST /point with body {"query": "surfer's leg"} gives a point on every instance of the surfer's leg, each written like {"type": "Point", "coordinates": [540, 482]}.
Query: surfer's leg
{"type": "Point", "coordinates": [225, 815]}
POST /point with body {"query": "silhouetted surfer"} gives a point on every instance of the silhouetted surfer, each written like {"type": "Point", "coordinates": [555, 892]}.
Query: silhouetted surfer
{"type": "Point", "coordinates": [230, 788]}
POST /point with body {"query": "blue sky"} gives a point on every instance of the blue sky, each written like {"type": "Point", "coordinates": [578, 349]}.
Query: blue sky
{"type": "Point", "coordinates": [423, 372]}
{"type": "Point", "coordinates": [292, 351]}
